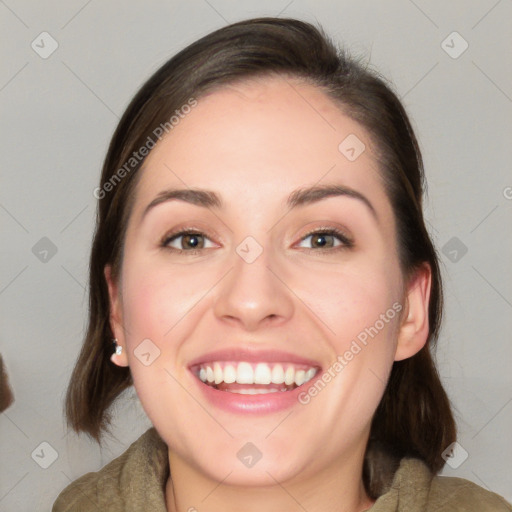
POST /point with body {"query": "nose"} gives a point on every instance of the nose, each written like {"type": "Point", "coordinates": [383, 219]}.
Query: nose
{"type": "Point", "coordinates": [254, 294]}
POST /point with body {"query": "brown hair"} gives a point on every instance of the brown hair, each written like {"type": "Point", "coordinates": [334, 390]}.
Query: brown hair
{"type": "Point", "coordinates": [414, 417]}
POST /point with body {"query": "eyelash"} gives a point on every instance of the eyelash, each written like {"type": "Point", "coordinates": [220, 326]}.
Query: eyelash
{"type": "Point", "coordinates": [329, 231]}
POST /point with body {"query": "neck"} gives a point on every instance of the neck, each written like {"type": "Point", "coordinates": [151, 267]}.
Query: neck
{"type": "Point", "coordinates": [338, 487]}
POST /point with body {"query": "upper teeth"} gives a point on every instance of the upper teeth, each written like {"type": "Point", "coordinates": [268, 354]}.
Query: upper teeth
{"type": "Point", "coordinates": [260, 373]}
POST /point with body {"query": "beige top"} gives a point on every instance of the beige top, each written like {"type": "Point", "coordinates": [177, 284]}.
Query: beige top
{"type": "Point", "coordinates": [135, 482]}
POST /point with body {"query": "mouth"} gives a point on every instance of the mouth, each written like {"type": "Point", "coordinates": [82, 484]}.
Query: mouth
{"type": "Point", "coordinates": [243, 381]}
{"type": "Point", "coordinates": [251, 378]}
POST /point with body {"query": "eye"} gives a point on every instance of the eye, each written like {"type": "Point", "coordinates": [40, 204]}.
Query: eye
{"type": "Point", "coordinates": [324, 239]}
{"type": "Point", "coordinates": [192, 241]}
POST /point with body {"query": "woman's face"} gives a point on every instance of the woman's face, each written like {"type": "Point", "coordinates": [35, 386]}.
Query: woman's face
{"type": "Point", "coordinates": [253, 296]}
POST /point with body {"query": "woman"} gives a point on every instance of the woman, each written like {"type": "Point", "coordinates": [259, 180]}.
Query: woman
{"type": "Point", "coordinates": [262, 265]}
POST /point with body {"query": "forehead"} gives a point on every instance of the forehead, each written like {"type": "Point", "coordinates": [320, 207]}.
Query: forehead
{"type": "Point", "coordinates": [262, 139]}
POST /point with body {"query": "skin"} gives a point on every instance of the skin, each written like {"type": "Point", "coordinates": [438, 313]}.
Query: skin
{"type": "Point", "coordinates": [253, 144]}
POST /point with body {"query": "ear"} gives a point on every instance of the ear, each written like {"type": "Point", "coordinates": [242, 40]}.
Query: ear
{"type": "Point", "coordinates": [116, 317]}
{"type": "Point", "coordinates": [414, 328]}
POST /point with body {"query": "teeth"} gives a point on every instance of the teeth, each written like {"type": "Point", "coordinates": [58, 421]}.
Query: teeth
{"type": "Point", "coordinates": [289, 375]}
{"type": "Point", "coordinates": [310, 374]}
{"type": "Point", "coordinates": [244, 374]}
{"type": "Point", "coordinates": [217, 373]}
{"type": "Point", "coordinates": [229, 374]}
{"type": "Point", "coordinates": [278, 374]}
{"type": "Point", "coordinates": [300, 377]}
{"type": "Point", "coordinates": [262, 373]}
{"type": "Point", "coordinates": [254, 391]}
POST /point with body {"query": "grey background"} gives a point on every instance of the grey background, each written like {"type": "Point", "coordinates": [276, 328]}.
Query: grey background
{"type": "Point", "coordinates": [59, 112]}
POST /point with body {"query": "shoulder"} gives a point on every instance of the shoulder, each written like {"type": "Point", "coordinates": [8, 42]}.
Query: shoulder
{"type": "Point", "coordinates": [138, 475]}
{"type": "Point", "coordinates": [415, 488]}
{"type": "Point", "coordinates": [451, 493]}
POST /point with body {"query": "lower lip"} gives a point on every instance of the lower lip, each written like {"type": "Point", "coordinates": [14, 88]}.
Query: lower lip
{"type": "Point", "coordinates": [252, 404]}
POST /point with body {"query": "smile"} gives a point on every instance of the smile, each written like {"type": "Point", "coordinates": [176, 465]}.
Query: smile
{"type": "Point", "coordinates": [254, 378]}
{"type": "Point", "coordinates": [243, 380]}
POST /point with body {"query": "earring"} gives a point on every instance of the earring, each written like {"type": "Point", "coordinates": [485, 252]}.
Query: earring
{"type": "Point", "coordinates": [118, 349]}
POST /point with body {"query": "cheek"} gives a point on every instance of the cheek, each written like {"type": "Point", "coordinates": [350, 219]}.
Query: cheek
{"type": "Point", "coordinates": [361, 310]}
{"type": "Point", "coordinates": [146, 307]}
{"type": "Point", "coordinates": [353, 302]}
{"type": "Point", "coordinates": [365, 324]}
{"type": "Point", "coordinates": [156, 300]}
{"type": "Point", "coordinates": [152, 306]}
{"type": "Point", "coordinates": [158, 311]}
{"type": "Point", "coordinates": [365, 314]}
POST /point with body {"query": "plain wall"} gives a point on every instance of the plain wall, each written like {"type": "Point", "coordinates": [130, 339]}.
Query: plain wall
{"type": "Point", "coordinates": [59, 112]}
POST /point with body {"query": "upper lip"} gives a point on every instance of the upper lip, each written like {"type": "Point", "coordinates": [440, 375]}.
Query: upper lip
{"type": "Point", "coordinates": [253, 356]}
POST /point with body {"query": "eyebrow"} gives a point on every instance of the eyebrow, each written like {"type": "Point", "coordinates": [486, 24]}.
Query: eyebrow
{"type": "Point", "coordinates": [299, 197]}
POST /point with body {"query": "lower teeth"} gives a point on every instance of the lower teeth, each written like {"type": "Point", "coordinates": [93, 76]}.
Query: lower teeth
{"type": "Point", "coordinates": [254, 391]}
